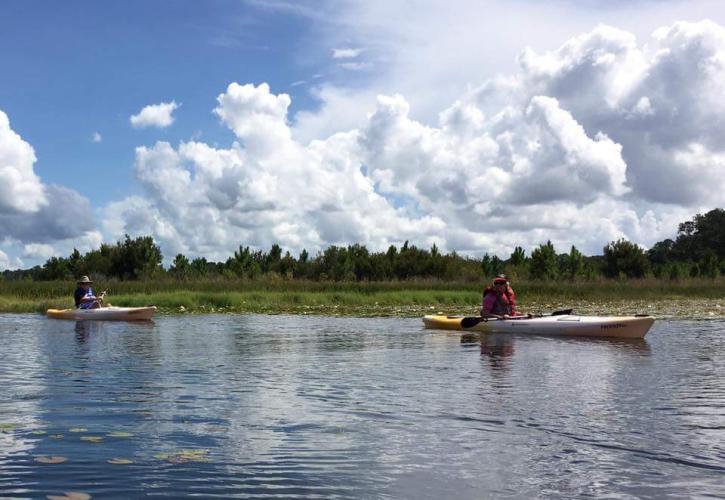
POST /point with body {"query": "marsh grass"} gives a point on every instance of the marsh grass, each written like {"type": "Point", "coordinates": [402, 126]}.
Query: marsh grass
{"type": "Point", "coordinates": [666, 298]}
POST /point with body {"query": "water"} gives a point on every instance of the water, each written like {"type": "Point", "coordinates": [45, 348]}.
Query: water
{"type": "Point", "coordinates": [317, 407]}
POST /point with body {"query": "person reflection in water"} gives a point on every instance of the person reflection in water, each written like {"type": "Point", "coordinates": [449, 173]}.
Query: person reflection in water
{"type": "Point", "coordinates": [85, 328]}
{"type": "Point", "coordinates": [498, 349]}
{"type": "Point", "coordinates": [82, 332]}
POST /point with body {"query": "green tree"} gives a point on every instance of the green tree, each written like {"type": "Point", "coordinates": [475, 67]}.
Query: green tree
{"type": "Point", "coordinates": [710, 265]}
{"type": "Point", "coordinates": [199, 266]}
{"type": "Point", "coordinates": [624, 258]}
{"type": "Point", "coordinates": [574, 267]}
{"type": "Point", "coordinates": [135, 258]}
{"type": "Point", "coordinates": [287, 265]}
{"type": "Point", "coordinates": [518, 257]}
{"type": "Point", "coordinates": [56, 268]}
{"type": "Point", "coordinates": [272, 260]}
{"type": "Point", "coordinates": [487, 265]}
{"type": "Point", "coordinates": [74, 263]}
{"type": "Point", "coordinates": [543, 265]}
{"type": "Point", "coordinates": [180, 267]}
{"type": "Point", "coordinates": [704, 231]}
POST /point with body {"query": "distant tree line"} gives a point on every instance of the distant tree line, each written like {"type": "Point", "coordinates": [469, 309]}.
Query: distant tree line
{"type": "Point", "coordinates": [697, 251]}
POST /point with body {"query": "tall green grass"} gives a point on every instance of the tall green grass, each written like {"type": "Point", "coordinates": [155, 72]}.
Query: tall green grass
{"type": "Point", "coordinates": [369, 298]}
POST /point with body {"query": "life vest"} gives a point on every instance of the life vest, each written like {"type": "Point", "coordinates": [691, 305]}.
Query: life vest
{"type": "Point", "coordinates": [505, 304]}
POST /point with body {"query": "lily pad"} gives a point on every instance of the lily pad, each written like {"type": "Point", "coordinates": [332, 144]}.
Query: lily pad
{"type": "Point", "coordinates": [120, 461]}
{"type": "Point", "coordinates": [119, 434]}
{"type": "Point", "coordinates": [56, 436]}
{"type": "Point", "coordinates": [39, 432]}
{"type": "Point", "coordinates": [7, 428]}
{"type": "Point", "coordinates": [184, 456]}
{"type": "Point", "coordinates": [78, 429]}
{"type": "Point", "coordinates": [50, 460]}
{"type": "Point", "coordinates": [70, 495]}
{"type": "Point", "coordinates": [92, 439]}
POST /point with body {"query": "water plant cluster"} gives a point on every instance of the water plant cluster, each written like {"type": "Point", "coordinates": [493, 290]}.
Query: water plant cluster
{"type": "Point", "coordinates": [692, 297]}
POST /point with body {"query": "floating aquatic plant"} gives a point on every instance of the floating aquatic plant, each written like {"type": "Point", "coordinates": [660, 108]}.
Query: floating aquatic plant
{"type": "Point", "coordinates": [50, 460]}
{"type": "Point", "coordinates": [183, 456]}
{"type": "Point", "coordinates": [70, 495]}
{"type": "Point", "coordinates": [78, 429]}
{"type": "Point", "coordinates": [92, 439]}
{"type": "Point", "coordinates": [7, 428]}
{"type": "Point", "coordinates": [119, 434]}
{"type": "Point", "coordinates": [119, 461]}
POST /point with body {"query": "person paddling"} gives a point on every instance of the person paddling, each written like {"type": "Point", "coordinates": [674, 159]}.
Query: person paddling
{"type": "Point", "coordinates": [499, 299]}
{"type": "Point", "coordinates": [85, 297]}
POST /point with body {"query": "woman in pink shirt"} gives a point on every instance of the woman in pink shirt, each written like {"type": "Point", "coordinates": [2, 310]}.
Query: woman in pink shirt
{"type": "Point", "coordinates": [499, 300]}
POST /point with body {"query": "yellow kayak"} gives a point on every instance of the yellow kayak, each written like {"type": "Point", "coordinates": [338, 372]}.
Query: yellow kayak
{"type": "Point", "coordinates": [110, 313]}
{"type": "Point", "coordinates": [633, 327]}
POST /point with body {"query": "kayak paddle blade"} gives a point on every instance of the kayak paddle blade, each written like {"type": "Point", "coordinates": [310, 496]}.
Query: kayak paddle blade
{"type": "Point", "coordinates": [563, 312]}
{"type": "Point", "coordinates": [470, 321]}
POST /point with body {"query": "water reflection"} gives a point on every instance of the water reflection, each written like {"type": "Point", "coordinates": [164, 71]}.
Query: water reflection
{"type": "Point", "coordinates": [353, 408]}
{"type": "Point", "coordinates": [85, 328]}
{"type": "Point", "coordinates": [498, 349]}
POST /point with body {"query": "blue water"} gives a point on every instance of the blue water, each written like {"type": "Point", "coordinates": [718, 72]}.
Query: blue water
{"type": "Point", "coordinates": [318, 407]}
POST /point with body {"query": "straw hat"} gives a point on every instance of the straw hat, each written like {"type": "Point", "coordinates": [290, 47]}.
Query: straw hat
{"type": "Point", "coordinates": [84, 280]}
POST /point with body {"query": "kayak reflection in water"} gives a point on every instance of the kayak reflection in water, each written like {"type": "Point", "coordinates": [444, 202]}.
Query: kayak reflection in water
{"type": "Point", "coordinates": [499, 299]}
{"type": "Point", "coordinates": [84, 296]}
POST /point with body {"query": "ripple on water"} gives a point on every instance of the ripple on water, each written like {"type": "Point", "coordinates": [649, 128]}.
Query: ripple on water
{"type": "Point", "coordinates": [319, 407]}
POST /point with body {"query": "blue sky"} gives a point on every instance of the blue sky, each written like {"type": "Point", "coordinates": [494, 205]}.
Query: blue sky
{"type": "Point", "coordinates": [74, 68]}
{"type": "Point", "coordinates": [468, 124]}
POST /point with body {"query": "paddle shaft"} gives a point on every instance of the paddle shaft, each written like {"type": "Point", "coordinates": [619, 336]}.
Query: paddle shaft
{"type": "Point", "coordinates": [471, 321]}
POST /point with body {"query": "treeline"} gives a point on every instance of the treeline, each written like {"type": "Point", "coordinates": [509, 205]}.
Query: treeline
{"type": "Point", "coordinates": [697, 251]}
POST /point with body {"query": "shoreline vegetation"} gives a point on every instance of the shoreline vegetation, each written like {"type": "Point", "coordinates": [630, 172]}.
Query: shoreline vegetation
{"type": "Point", "coordinates": [690, 298]}
{"type": "Point", "coordinates": [684, 277]}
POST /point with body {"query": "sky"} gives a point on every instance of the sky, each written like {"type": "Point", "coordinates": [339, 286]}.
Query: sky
{"type": "Point", "coordinates": [476, 126]}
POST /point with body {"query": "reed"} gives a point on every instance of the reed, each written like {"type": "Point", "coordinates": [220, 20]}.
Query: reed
{"type": "Point", "coordinates": [358, 298]}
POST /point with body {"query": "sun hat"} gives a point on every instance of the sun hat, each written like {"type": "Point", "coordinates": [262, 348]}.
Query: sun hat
{"type": "Point", "coordinates": [84, 279]}
{"type": "Point", "coordinates": [501, 278]}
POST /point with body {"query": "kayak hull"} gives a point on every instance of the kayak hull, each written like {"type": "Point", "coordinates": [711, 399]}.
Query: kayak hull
{"type": "Point", "coordinates": [105, 313]}
{"type": "Point", "coordinates": [630, 327]}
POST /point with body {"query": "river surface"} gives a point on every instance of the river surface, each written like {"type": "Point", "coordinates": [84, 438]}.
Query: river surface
{"type": "Point", "coordinates": [319, 407]}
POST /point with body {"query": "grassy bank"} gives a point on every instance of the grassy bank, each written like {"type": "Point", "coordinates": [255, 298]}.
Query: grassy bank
{"type": "Point", "coordinates": [691, 298]}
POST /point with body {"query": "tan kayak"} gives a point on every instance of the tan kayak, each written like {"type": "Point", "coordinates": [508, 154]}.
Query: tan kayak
{"type": "Point", "coordinates": [633, 327]}
{"type": "Point", "coordinates": [110, 313]}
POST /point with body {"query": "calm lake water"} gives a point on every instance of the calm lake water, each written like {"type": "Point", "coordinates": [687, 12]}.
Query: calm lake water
{"type": "Point", "coordinates": [320, 407]}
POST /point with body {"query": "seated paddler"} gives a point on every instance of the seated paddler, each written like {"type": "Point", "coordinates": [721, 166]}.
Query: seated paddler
{"type": "Point", "coordinates": [84, 295]}
{"type": "Point", "coordinates": [499, 299]}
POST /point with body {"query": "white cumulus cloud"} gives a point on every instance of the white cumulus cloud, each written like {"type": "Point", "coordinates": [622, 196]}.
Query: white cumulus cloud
{"type": "Point", "coordinates": [40, 251]}
{"type": "Point", "coordinates": [155, 115]}
{"type": "Point", "coordinates": [36, 217]}
{"type": "Point", "coordinates": [21, 190]}
{"type": "Point", "coordinates": [602, 138]}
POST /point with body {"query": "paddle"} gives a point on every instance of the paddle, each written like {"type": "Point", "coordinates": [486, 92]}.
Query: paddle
{"type": "Point", "coordinates": [471, 321]}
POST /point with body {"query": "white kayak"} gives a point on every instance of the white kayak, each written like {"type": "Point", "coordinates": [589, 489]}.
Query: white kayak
{"type": "Point", "coordinates": [110, 313]}
{"type": "Point", "coordinates": [634, 327]}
